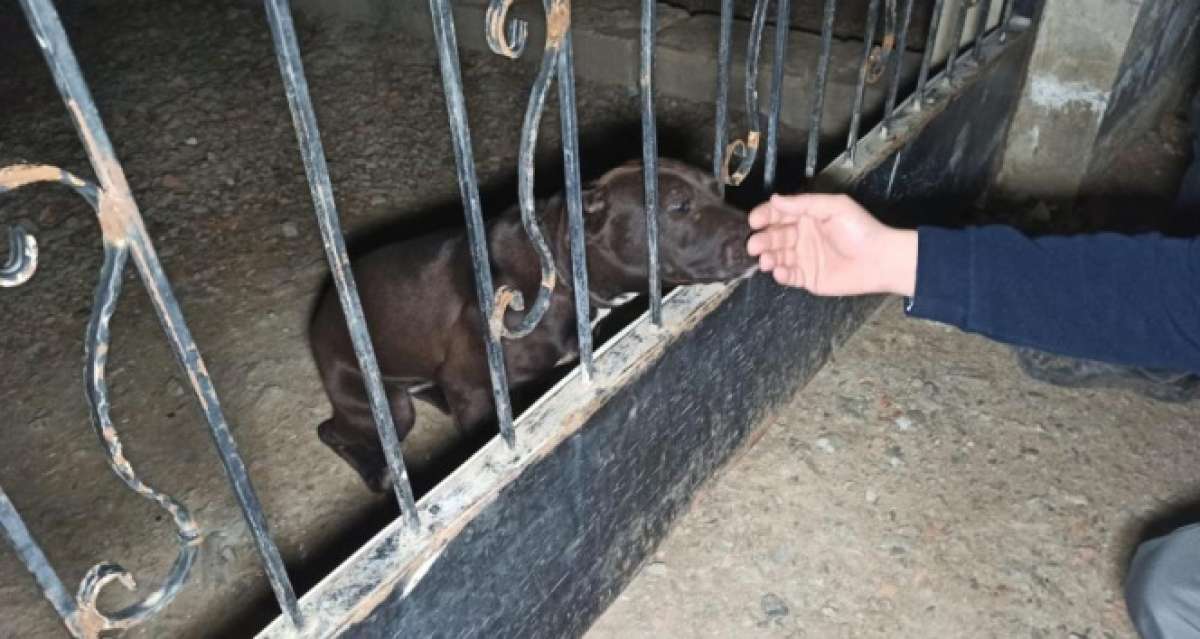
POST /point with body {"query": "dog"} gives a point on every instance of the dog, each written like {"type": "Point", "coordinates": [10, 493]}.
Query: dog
{"type": "Point", "coordinates": [423, 315]}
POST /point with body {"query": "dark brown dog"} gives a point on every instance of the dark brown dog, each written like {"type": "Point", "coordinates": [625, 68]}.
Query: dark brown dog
{"type": "Point", "coordinates": [423, 314]}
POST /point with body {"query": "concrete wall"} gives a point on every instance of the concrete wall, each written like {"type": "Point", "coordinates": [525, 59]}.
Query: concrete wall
{"type": "Point", "coordinates": [1100, 70]}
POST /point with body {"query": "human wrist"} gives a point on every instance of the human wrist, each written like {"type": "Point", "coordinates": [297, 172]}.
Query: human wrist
{"type": "Point", "coordinates": [899, 262]}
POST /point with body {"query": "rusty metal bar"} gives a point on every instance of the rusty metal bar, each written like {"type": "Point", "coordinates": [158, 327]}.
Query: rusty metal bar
{"type": "Point", "coordinates": [889, 108]}
{"type": "Point", "coordinates": [981, 20]}
{"type": "Point", "coordinates": [935, 22]}
{"type": "Point", "coordinates": [818, 101]}
{"type": "Point", "coordinates": [782, 29]}
{"type": "Point", "coordinates": [724, 62]}
{"type": "Point", "coordinates": [650, 155]}
{"type": "Point", "coordinates": [123, 228]}
{"type": "Point", "coordinates": [860, 89]}
{"type": "Point", "coordinates": [960, 25]}
{"type": "Point", "coordinates": [574, 204]}
{"type": "Point", "coordinates": [468, 184]}
{"type": "Point", "coordinates": [287, 50]}
{"type": "Point", "coordinates": [744, 152]}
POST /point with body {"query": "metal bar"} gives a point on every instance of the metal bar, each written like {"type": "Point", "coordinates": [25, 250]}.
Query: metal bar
{"type": "Point", "coordinates": [468, 184]}
{"type": "Point", "coordinates": [304, 120]}
{"type": "Point", "coordinates": [724, 62]}
{"type": "Point", "coordinates": [818, 101]}
{"type": "Point", "coordinates": [782, 29]}
{"type": "Point", "coordinates": [956, 38]}
{"type": "Point", "coordinates": [650, 155]}
{"type": "Point", "coordinates": [121, 213]}
{"type": "Point", "coordinates": [860, 90]}
{"type": "Point", "coordinates": [1005, 18]}
{"type": "Point", "coordinates": [574, 203]}
{"type": "Point", "coordinates": [935, 22]}
{"type": "Point", "coordinates": [897, 68]}
{"type": "Point", "coordinates": [746, 151]}
{"type": "Point", "coordinates": [981, 20]}
{"type": "Point", "coordinates": [35, 560]}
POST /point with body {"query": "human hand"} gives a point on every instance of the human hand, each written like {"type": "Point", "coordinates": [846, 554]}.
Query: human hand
{"type": "Point", "coordinates": [830, 245]}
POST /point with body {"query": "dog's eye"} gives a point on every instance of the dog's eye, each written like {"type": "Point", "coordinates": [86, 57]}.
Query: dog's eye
{"type": "Point", "coordinates": [680, 207]}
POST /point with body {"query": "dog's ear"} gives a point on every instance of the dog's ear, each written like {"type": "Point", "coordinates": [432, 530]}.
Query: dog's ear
{"type": "Point", "coordinates": [595, 206]}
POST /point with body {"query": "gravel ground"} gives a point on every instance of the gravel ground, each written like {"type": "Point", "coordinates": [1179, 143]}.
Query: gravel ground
{"type": "Point", "coordinates": [191, 95]}
{"type": "Point", "coordinates": [919, 486]}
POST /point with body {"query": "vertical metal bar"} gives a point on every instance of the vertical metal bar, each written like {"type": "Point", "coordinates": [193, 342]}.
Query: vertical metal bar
{"type": "Point", "coordinates": [122, 214]}
{"type": "Point", "coordinates": [960, 25]}
{"type": "Point", "coordinates": [897, 68]}
{"type": "Point", "coordinates": [468, 184]}
{"type": "Point", "coordinates": [935, 23]}
{"type": "Point", "coordinates": [304, 120]}
{"type": "Point", "coordinates": [724, 62]}
{"type": "Point", "coordinates": [1005, 18]}
{"type": "Point", "coordinates": [981, 20]}
{"type": "Point", "coordinates": [860, 90]}
{"type": "Point", "coordinates": [782, 29]}
{"type": "Point", "coordinates": [650, 154]}
{"type": "Point", "coordinates": [35, 560]}
{"type": "Point", "coordinates": [574, 202]}
{"type": "Point", "coordinates": [818, 101]}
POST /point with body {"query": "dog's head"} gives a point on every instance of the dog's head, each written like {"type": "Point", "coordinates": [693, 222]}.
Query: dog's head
{"type": "Point", "coordinates": [700, 237]}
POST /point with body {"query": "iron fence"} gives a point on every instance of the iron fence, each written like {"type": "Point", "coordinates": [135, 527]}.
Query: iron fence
{"type": "Point", "coordinates": [124, 236]}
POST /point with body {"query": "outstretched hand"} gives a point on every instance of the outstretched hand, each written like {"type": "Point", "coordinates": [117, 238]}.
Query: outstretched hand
{"type": "Point", "coordinates": [830, 245]}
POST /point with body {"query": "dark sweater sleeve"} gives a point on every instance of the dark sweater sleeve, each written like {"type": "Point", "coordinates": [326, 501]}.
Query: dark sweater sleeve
{"type": "Point", "coordinates": [1131, 300]}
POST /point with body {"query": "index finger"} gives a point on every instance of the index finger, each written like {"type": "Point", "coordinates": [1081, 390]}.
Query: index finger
{"type": "Point", "coordinates": [819, 206]}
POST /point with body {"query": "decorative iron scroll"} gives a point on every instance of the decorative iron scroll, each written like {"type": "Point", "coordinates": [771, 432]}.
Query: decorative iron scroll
{"type": "Point", "coordinates": [744, 152]}
{"type": "Point", "coordinates": [558, 23]}
{"type": "Point", "coordinates": [124, 237]}
{"type": "Point", "coordinates": [82, 615]}
{"type": "Point", "coordinates": [557, 59]}
{"type": "Point", "coordinates": [22, 258]}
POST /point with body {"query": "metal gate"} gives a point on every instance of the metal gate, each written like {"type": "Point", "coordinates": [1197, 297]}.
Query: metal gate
{"type": "Point", "coordinates": [124, 237]}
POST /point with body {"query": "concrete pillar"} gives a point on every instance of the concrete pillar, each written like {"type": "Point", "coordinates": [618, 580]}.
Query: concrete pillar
{"type": "Point", "coordinates": [1087, 53]}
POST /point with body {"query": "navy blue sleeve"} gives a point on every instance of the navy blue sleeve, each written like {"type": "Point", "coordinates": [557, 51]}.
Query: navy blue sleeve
{"type": "Point", "coordinates": [1132, 300]}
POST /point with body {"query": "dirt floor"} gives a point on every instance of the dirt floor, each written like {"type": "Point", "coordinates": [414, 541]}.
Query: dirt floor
{"type": "Point", "coordinates": [191, 95]}
{"type": "Point", "coordinates": [921, 487]}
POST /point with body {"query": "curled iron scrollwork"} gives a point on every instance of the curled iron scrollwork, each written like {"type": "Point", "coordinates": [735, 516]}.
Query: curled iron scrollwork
{"type": "Point", "coordinates": [509, 42]}
{"type": "Point", "coordinates": [558, 24]}
{"type": "Point", "coordinates": [22, 258]}
{"type": "Point", "coordinates": [881, 55]}
{"type": "Point", "coordinates": [744, 152]}
{"type": "Point", "coordinates": [87, 620]}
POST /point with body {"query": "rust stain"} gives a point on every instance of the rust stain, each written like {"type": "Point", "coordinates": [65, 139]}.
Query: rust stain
{"type": "Point", "coordinates": [506, 297]}
{"type": "Point", "coordinates": [558, 22]}
{"type": "Point", "coordinates": [19, 175]}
